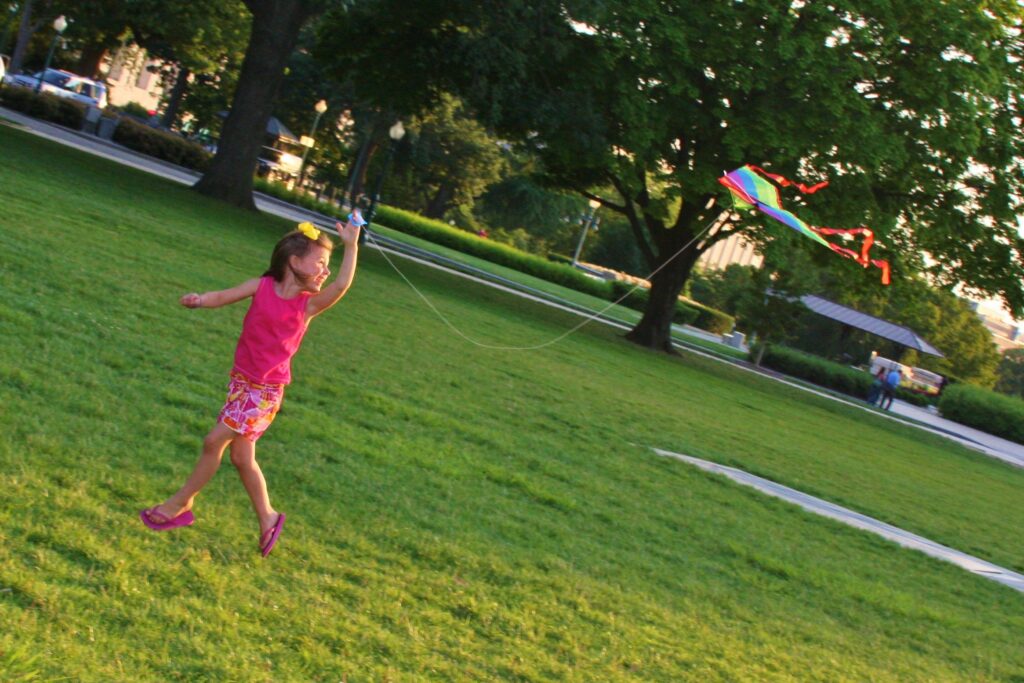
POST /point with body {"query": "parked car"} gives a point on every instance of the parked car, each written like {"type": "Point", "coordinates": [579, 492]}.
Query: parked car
{"type": "Point", "coordinates": [64, 84]}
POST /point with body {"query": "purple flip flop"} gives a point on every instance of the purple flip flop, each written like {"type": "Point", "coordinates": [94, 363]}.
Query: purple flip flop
{"type": "Point", "coordinates": [148, 518]}
{"type": "Point", "coordinates": [275, 532]}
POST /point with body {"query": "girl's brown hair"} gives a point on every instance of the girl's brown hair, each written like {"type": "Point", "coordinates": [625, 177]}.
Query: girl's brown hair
{"type": "Point", "coordinates": [295, 243]}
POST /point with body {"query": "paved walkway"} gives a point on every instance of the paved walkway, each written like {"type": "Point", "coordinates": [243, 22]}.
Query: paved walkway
{"type": "Point", "coordinates": [993, 446]}
{"type": "Point", "coordinates": [855, 519]}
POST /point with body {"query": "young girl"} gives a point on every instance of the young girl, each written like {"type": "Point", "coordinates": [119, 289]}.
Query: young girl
{"type": "Point", "coordinates": [284, 300]}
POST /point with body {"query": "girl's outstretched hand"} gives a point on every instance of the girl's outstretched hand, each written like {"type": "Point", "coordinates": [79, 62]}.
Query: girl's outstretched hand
{"type": "Point", "coordinates": [349, 233]}
{"type": "Point", "coordinates": [192, 300]}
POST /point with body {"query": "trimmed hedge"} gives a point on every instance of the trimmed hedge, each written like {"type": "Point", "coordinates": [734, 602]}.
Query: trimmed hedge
{"type": "Point", "coordinates": [826, 373]}
{"type": "Point", "coordinates": [489, 250]}
{"type": "Point", "coordinates": [986, 410]}
{"type": "Point", "coordinates": [44, 106]}
{"type": "Point", "coordinates": [711, 319]}
{"type": "Point", "coordinates": [160, 144]}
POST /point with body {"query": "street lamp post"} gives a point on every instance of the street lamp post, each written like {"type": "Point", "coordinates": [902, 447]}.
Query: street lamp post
{"type": "Point", "coordinates": [589, 222]}
{"type": "Point", "coordinates": [396, 132]}
{"type": "Point", "coordinates": [320, 108]}
{"type": "Point", "coordinates": [59, 24]}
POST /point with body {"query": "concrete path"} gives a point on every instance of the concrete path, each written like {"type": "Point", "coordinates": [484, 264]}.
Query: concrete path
{"type": "Point", "coordinates": [993, 446]}
{"type": "Point", "coordinates": [855, 519]}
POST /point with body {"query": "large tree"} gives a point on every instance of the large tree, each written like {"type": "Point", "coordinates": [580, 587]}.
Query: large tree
{"type": "Point", "coordinates": [275, 30]}
{"type": "Point", "coordinates": [909, 107]}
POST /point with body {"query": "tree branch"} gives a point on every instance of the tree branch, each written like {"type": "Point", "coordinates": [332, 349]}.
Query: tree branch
{"type": "Point", "coordinates": [634, 221]}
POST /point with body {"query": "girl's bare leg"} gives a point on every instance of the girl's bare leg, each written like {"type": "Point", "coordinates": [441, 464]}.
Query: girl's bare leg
{"type": "Point", "coordinates": [243, 457]}
{"type": "Point", "coordinates": [209, 461]}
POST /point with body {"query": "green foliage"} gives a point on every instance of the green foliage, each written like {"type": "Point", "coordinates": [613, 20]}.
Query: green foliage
{"type": "Point", "coordinates": [814, 369]}
{"type": "Point", "coordinates": [722, 288]}
{"type": "Point", "coordinates": [711, 319]}
{"type": "Point", "coordinates": [1011, 373]}
{"type": "Point", "coordinates": [44, 106]}
{"type": "Point", "coordinates": [161, 144]}
{"type": "Point", "coordinates": [518, 202]}
{"type": "Point", "coordinates": [453, 238]}
{"type": "Point", "coordinates": [135, 109]}
{"type": "Point", "coordinates": [985, 410]}
{"type": "Point", "coordinates": [452, 161]}
{"type": "Point", "coordinates": [825, 373]}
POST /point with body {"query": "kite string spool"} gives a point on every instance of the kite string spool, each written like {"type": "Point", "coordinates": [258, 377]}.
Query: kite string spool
{"type": "Point", "coordinates": [498, 347]}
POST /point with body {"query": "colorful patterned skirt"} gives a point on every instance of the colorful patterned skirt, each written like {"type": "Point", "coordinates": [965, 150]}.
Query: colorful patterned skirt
{"type": "Point", "coordinates": [250, 407]}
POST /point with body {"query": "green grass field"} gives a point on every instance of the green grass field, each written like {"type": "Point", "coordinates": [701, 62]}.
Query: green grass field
{"type": "Point", "coordinates": [454, 512]}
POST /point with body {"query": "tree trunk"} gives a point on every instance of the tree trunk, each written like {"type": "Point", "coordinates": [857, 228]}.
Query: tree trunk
{"type": "Point", "coordinates": [439, 204]}
{"type": "Point", "coordinates": [275, 31]}
{"type": "Point", "coordinates": [90, 60]}
{"type": "Point", "coordinates": [174, 101]}
{"type": "Point", "coordinates": [357, 174]}
{"type": "Point", "coordinates": [655, 327]}
{"type": "Point", "coordinates": [25, 31]}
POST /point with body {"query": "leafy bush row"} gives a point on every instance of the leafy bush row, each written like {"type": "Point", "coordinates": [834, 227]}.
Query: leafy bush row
{"type": "Point", "coordinates": [826, 373]}
{"type": "Point", "coordinates": [986, 410]}
{"type": "Point", "coordinates": [160, 144]}
{"type": "Point", "coordinates": [44, 106]}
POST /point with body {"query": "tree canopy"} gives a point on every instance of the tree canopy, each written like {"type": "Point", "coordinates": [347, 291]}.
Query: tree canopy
{"type": "Point", "coordinates": [644, 104]}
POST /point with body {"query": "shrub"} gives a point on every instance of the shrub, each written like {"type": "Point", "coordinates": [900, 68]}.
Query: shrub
{"type": "Point", "coordinates": [985, 410]}
{"type": "Point", "coordinates": [160, 144]}
{"type": "Point", "coordinates": [711, 319]}
{"type": "Point", "coordinates": [815, 369]}
{"type": "Point", "coordinates": [135, 109]}
{"type": "Point", "coordinates": [445, 235]}
{"type": "Point", "coordinates": [44, 106]}
{"type": "Point", "coordinates": [827, 373]}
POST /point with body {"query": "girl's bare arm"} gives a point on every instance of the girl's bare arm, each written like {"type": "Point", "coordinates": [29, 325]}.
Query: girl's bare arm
{"type": "Point", "coordinates": [222, 297]}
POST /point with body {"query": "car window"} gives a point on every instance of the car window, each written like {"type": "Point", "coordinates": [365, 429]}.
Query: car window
{"type": "Point", "coordinates": [55, 78]}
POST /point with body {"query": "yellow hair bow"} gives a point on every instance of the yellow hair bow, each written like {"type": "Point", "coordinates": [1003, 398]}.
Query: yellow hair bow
{"type": "Point", "coordinates": [309, 230]}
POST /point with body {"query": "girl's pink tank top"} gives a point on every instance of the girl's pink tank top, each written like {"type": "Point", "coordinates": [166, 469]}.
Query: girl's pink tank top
{"type": "Point", "coordinates": [271, 333]}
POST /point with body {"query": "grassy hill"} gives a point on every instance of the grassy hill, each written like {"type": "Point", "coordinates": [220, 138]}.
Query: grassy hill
{"type": "Point", "coordinates": [455, 512]}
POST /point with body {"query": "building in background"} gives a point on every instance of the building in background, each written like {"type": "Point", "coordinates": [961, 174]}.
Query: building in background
{"type": "Point", "coordinates": [1007, 333]}
{"type": "Point", "coordinates": [133, 77]}
{"type": "Point", "coordinates": [733, 249]}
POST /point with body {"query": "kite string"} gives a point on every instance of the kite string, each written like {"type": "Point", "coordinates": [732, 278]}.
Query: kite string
{"type": "Point", "coordinates": [560, 337]}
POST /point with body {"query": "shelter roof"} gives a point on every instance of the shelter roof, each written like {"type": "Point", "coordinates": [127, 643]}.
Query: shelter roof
{"type": "Point", "coordinates": [870, 324]}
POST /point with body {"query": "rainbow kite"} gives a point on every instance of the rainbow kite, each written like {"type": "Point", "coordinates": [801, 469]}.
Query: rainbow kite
{"type": "Point", "coordinates": [751, 189]}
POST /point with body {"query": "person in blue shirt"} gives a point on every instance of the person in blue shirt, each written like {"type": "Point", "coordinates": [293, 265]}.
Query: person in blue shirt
{"type": "Point", "coordinates": [892, 381]}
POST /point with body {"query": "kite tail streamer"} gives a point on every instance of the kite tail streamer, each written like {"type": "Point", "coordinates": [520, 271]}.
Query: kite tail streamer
{"type": "Point", "coordinates": [785, 182]}
{"type": "Point", "coordinates": [865, 246]}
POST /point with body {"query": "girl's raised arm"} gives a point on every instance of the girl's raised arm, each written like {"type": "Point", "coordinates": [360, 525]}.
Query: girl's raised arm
{"type": "Point", "coordinates": [329, 295]}
{"type": "Point", "coordinates": [222, 297]}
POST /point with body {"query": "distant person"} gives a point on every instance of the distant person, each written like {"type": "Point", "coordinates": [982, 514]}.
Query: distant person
{"type": "Point", "coordinates": [892, 382]}
{"type": "Point", "coordinates": [875, 392]}
{"type": "Point", "coordinates": [284, 301]}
